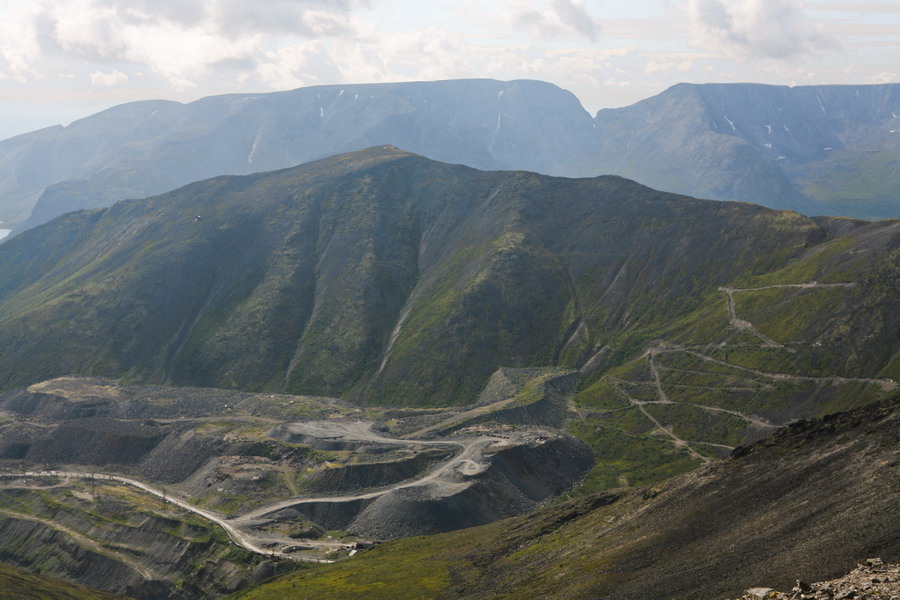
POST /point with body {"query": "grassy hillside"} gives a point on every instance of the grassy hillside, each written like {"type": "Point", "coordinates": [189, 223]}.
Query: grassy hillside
{"type": "Point", "coordinates": [390, 279]}
{"type": "Point", "coordinates": [816, 336]}
{"type": "Point", "coordinates": [16, 584]}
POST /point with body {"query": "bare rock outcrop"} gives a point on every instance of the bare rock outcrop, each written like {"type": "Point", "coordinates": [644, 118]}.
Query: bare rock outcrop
{"type": "Point", "coordinates": [871, 580]}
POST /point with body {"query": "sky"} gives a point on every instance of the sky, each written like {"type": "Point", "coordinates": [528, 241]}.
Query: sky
{"type": "Point", "coordinates": [61, 60]}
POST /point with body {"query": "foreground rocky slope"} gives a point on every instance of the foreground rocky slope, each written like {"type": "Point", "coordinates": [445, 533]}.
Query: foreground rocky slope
{"type": "Point", "coordinates": [809, 501]}
{"type": "Point", "coordinates": [871, 580]}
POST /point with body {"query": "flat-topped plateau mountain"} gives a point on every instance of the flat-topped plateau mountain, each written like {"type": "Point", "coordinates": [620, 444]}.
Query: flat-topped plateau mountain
{"type": "Point", "coordinates": [818, 149]}
{"type": "Point", "coordinates": [143, 148]}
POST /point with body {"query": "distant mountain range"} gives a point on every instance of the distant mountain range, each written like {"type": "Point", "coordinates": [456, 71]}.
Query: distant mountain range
{"type": "Point", "coordinates": [144, 148]}
{"type": "Point", "coordinates": [388, 278]}
{"type": "Point", "coordinates": [818, 149]}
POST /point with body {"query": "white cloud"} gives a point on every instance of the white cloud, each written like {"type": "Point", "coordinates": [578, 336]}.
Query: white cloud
{"type": "Point", "coordinates": [885, 77]}
{"type": "Point", "coordinates": [558, 18]}
{"type": "Point", "coordinates": [181, 40]}
{"type": "Point", "coordinates": [116, 77]}
{"type": "Point", "coordinates": [19, 46]}
{"type": "Point", "coordinates": [306, 63]}
{"type": "Point", "coordinates": [374, 56]}
{"type": "Point", "coordinates": [776, 29]}
{"type": "Point", "coordinates": [307, 18]}
{"type": "Point", "coordinates": [676, 66]}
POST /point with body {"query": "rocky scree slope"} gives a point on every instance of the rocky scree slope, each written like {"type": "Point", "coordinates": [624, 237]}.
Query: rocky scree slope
{"type": "Point", "coordinates": [808, 501]}
{"type": "Point", "coordinates": [387, 278]}
{"type": "Point", "coordinates": [16, 584]}
{"type": "Point", "coordinates": [111, 538]}
{"type": "Point", "coordinates": [336, 473]}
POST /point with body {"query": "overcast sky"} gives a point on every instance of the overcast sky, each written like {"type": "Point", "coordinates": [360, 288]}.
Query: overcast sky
{"type": "Point", "coordinates": [65, 59]}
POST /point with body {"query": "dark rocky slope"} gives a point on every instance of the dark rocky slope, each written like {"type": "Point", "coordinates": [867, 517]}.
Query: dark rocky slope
{"type": "Point", "coordinates": [808, 502]}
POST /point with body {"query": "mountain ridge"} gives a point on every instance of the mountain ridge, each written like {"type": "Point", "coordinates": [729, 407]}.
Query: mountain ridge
{"type": "Point", "coordinates": [347, 272]}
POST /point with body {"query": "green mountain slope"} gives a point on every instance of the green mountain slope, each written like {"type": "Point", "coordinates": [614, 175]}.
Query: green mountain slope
{"type": "Point", "coordinates": [16, 584]}
{"type": "Point", "coordinates": [810, 501]}
{"type": "Point", "coordinates": [392, 279]}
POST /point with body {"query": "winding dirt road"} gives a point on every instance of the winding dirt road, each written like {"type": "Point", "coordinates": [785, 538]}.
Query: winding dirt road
{"type": "Point", "coordinates": [466, 461]}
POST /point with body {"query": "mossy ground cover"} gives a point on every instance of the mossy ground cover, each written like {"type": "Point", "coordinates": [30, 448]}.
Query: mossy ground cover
{"type": "Point", "coordinates": [16, 584]}
{"type": "Point", "coordinates": [627, 459]}
{"type": "Point", "coordinates": [415, 568]}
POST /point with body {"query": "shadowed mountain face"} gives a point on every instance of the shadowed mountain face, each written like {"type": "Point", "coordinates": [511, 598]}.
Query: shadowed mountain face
{"type": "Point", "coordinates": [389, 278]}
{"type": "Point", "coordinates": [143, 148]}
{"type": "Point", "coordinates": [817, 150]}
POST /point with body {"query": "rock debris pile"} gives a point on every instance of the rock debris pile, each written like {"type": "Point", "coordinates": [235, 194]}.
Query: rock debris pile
{"type": "Point", "coordinates": [869, 581]}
